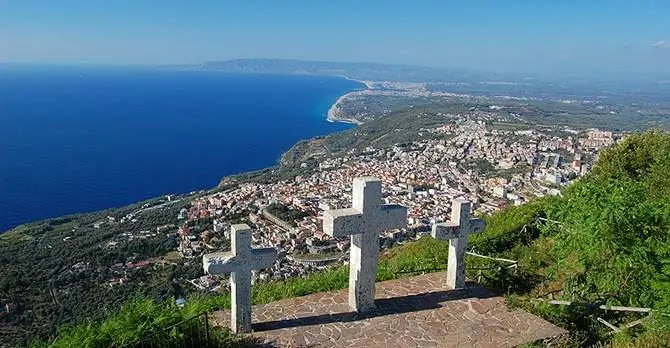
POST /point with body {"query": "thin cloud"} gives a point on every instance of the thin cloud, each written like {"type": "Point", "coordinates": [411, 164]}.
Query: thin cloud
{"type": "Point", "coordinates": [662, 44]}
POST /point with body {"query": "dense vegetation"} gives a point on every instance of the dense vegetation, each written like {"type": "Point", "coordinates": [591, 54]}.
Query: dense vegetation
{"type": "Point", "coordinates": [402, 126]}
{"type": "Point", "coordinates": [60, 270]}
{"type": "Point", "coordinates": [605, 241]}
{"type": "Point", "coordinates": [285, 213]}
{"type": "Point", "coordinates": [143, 318]}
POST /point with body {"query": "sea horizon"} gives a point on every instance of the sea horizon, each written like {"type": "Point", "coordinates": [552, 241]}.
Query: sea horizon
{"type": "Point", "coordinates": [79, 139]}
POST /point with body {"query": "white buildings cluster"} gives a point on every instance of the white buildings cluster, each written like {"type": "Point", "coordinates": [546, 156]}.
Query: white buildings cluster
{"type": "Point", "coordinates": [424, 176]}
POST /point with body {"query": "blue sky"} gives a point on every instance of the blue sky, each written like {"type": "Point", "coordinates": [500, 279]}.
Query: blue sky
{"type": "Point", "coordinates": [532, 35]}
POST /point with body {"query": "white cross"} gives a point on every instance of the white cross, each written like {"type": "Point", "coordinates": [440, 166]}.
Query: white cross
{"type": "Point", "coordinates": [239, 262]}
{"type": "Point", "coordinates": [457, 232]}
{"type": "Point", "coordinates": [363, 222]}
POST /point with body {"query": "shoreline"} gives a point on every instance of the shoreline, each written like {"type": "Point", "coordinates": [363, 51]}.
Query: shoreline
{"type": "Point", "coordinates": [331, 117]}
{"type": "Point", "coordinates": [334, 110]}
{"type": "Point", "coordinates": [368, 83]}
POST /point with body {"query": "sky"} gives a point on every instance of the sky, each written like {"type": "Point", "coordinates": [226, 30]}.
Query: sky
{"type": "Point", "coordinates": [501, 35]}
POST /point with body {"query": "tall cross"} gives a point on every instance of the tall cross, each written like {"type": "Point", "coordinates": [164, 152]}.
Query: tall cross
{"type": "Point", "coordinates": [457, 232]}
{"type": "Point", "coordinates": [363, 222]}
{"type": "Point", "coordinates": [239, 262]}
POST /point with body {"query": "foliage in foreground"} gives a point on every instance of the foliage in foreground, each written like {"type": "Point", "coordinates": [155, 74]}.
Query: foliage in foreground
{"type": "Point", "coordinates": [146, 322]}
{"type": "Point", "coordinates": [606, 241]}
{"type": "Point", "coordinates": [144, 317]}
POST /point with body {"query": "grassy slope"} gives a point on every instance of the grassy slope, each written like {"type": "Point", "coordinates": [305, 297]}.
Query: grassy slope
{"type": "Point", "coordinates": [142, 317]}
{"type": "Point", "coordinates": [605, 242]}
{"type": "Point", "coordinates": [591, 257]}
{"type": "Point", "coordinates": [608, 243]}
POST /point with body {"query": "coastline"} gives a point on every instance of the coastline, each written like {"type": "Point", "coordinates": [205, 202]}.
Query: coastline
{"type": "Point", "coordinates": [335, 113]}
{"type": "Point", "coordinates": [332, 117]}
{"type": "Point", "coordinates": [368, 84]}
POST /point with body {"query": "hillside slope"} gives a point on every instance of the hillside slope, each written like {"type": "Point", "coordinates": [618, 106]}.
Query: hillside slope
{"type": "Point", "coordinates": [605, 241]}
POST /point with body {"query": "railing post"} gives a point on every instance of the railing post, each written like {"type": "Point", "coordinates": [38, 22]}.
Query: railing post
{"type": "Point", "coordinates": [206, 330]}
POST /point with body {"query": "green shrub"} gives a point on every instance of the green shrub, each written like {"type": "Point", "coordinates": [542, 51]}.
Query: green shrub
{"type": "Point", "coordinates": [605, 241]}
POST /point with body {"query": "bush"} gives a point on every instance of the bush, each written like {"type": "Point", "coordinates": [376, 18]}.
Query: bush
{"type": "Point", "coordinates": [606, 241]}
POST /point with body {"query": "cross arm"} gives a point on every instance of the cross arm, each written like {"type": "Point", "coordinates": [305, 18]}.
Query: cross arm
{"type": "Point", "coordinates": [445, 230]}
{"type": "Point", "coordinates": [392, 216]}
{"type": "Point", "coordinates": [451, 230]}
{"type": "Point", "coordinates": [220, 263]}
{"type": "Point", "coordinates": [263, 257]}
{"type": "Point", "coordinates": [342, 222]}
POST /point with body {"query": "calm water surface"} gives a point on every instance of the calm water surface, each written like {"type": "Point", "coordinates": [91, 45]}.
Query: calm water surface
{"type": "Point", "coordinates": [83, 139]}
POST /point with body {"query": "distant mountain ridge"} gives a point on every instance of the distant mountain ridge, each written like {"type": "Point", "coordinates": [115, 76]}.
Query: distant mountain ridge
{"type": "Point", "coordinates": [622, 88]}
{"type": "Point", "coordinates": [611, 87]}
{"type": "Point", "coordinates": [358, 71]}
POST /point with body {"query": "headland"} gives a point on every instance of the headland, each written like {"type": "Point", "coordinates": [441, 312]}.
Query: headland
{"type": "Point", "coordinates": [337, 114]}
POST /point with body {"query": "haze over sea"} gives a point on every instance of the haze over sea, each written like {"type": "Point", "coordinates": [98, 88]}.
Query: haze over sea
{"type": "Point", "coordinates": [78, 139]}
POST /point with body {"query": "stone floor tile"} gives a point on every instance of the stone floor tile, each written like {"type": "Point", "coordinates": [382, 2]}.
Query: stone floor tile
{"type": "Point", "coordinates": [412, 312]}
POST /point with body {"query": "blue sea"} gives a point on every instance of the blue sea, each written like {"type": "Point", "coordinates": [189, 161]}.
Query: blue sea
{"type": "Point", "coordinates": [78, 139]}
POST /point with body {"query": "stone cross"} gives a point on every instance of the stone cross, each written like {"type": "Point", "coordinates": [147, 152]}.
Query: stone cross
{"type": "Point", "coordinates": [239, 262]}
{"type": "Point", "coordinates": [363, 222]}
{"type": "Point", "coordinates": [457, 232]}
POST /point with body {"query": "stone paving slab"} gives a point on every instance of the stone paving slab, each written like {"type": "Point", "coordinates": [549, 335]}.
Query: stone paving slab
{"type": "Point", "coordinates": [410, 312]}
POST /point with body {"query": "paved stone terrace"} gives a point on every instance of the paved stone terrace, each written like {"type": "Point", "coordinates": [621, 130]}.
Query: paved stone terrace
{"type": "Point", "coordinates": [411, 312]}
